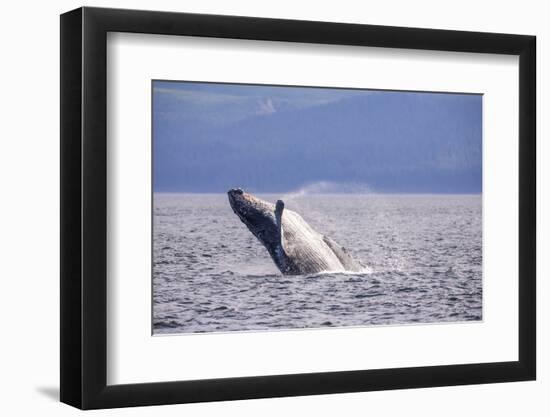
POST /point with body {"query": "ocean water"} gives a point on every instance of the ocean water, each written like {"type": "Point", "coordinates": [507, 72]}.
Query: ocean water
{"type": "Point", "coordinates": [422, 253]}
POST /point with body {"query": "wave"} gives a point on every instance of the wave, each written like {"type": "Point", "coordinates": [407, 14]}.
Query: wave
{"type": "Point", "coordinates": [364, 271]}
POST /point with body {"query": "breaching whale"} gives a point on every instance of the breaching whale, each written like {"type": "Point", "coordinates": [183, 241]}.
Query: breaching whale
{"type": "Point", "coordinates": [294, 246]}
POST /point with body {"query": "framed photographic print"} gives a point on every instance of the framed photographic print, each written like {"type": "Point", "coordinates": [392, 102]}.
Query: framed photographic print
{"type": "Point", "coordinates": [257, 207]}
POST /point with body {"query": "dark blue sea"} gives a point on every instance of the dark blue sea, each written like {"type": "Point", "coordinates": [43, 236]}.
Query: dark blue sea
{"type": "Point", "coordinates": [422, 256]}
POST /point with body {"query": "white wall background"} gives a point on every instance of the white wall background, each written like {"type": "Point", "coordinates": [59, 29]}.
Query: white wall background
{"type": "Point", "coordinates": [29, 236]}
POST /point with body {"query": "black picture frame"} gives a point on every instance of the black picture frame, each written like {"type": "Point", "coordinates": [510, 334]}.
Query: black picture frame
{"type": "Point", "coordinates": [84, 207]}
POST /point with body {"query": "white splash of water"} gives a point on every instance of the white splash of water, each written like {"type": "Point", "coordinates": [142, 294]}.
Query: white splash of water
{"type": "Point", "coordinates": [329, 187]}
{"type": "Point", "coordinates": [365, 271]}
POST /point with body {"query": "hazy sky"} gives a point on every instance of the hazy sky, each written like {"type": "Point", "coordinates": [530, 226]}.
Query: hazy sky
{"type": "Point", "coordinates": [210, 137]}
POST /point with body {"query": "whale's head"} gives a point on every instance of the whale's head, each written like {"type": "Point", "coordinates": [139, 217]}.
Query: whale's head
{"type": "Point", "coordinates": [258, 215]}
{"type": "Point", "coordinates": [263, 219]}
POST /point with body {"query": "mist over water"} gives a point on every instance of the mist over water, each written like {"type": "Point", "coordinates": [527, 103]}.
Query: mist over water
{"type": "Point", "coordinates": [328, 187]}
{"type": "Point", "coordinates": [423, 258]}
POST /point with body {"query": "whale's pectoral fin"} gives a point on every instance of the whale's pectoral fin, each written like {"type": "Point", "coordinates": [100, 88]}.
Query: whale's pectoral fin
{"type": "Point", "coordinates": [343, 256]}
{"type": "Point", "coordinates": [279, 207]}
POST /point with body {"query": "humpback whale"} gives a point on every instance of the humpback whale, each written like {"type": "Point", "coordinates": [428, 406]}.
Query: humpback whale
{"type": "Point", "coordinates": [295, 247]}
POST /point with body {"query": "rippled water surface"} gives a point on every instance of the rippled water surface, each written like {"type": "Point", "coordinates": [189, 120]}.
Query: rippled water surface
{"type": "Point", "coordinates": [423, 252]}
